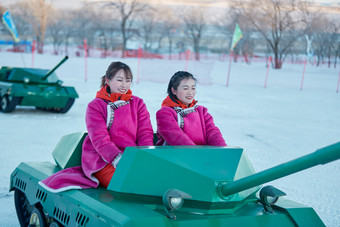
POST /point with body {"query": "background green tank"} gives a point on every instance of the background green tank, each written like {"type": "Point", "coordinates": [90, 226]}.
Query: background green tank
{"type": "Point", "coordinates": [34, 87]}
{"type": "Point", "coordinates": [166, 186]}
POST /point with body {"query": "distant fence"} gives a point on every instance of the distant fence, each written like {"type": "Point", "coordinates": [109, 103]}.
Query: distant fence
{"type": "Point", "coordinates": [78, 51]}
{"type": "Point", "coordinates": [21, 46]}
{"type": "Point", "coordinates": [214, 68]}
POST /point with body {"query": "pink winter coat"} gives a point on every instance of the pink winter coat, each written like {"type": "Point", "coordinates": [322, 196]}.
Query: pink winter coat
{"type": "Point", "coordinates": [199, 128]}
{"type": "Point", "coordinates": [131, 127]}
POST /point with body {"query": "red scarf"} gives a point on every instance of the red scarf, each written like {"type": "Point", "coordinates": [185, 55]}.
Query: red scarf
{"type": "Point", "coordinates": [103, 94]}
{"type": "Point", "coordinates": [170, 103]}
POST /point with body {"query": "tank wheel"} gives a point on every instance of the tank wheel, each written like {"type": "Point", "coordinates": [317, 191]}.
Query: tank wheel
{"type": "Point", "coordinates": [37, 218]}
{"type": "Point", "coordinates": [54, 224]}
{"type": "Point", "coordinates": [8, 103]}
{"type": "Point", "coordinates": [23, 207]}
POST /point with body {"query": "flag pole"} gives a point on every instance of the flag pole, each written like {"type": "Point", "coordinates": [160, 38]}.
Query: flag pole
{"type": "Point", "coordinates": [187, 55]}
{"type": "Point", "coordinates": [337, 90]}
{"type": "Point", "coordinates": [85, 58]}
{"type": "Point", "coordinates": [303, 74]}
{"type": "Point", "coordinates": [33, 49]}
{"type": "Point", "coordinates": [269, 61]}
{"type": "Point", "coordinates": [138, 64]}
{"type": "Point", "coordinates": [230, 59]}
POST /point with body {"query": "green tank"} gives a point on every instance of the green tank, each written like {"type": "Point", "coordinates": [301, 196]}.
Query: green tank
{"type": "Point", "coordinates": [40, 88]}
{"type": "Point", "coordinates": [166, 186]}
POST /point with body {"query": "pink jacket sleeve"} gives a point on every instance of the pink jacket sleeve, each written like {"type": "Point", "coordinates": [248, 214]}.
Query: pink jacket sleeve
{"type": "Point", "coordinates": [144, 129]}
{"type": "Point", "coordinates": [98, 133]}
{"type": "Point", "coordinates": [168, 128]}
{"type": "Point", "coordinates": [213, 134]}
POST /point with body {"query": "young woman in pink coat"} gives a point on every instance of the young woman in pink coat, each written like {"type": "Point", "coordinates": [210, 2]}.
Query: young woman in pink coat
{"type": "Point", "coordinates": [115, 119]}
{"type": "Point", "coordinates": [181, 121]}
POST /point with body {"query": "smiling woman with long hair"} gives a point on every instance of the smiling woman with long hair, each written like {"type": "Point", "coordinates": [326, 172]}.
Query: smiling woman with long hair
{"type": "Point", "coordinates": [181, 121]}
{"type": "Point", "coordinates": [115, 119]}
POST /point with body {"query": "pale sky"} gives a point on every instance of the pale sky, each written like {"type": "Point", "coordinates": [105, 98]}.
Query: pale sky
{"type": "Point", "coordinates": [74, 3]}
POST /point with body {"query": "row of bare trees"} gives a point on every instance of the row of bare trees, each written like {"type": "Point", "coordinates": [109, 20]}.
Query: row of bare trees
{"type": "Point", "coordinates": [274, 27]}
{"type": "Point", "coordinates": [283, 25]}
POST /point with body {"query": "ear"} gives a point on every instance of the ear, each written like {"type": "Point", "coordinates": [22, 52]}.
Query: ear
{"type": "Point", "coordinates": [106, 81]}
{"type": "Point", "coordinates": [173, 91]}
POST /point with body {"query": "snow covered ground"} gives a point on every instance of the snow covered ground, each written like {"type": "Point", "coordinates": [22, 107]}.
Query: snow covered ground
{"type": "Point", "coordinates": [273, 125]}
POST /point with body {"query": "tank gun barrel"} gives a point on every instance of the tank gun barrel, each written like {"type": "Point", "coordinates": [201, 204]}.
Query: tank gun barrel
{"type": "Point", "coordinates": [320, 156]}
{"type": "Point", "coordinates": [55, 68]}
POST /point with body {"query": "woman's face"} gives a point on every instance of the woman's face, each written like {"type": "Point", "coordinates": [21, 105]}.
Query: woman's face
{"type": "Point", "coordinates": [119, 83]}
{"type": "Point", "coordinates": [186, 91]}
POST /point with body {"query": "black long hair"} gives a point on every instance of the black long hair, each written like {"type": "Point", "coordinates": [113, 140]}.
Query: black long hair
{"type": "Point", "coordinates": [176, 80]}
{"type": "Point", "coordinates": [112, 70]}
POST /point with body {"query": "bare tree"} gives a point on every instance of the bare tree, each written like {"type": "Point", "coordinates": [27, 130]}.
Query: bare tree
{"type": "Point", "coordinates": [337, 53]}
{"type": "Point", "coordinates": [38, 15]}
{"type": "Point", "coordinates": [106, 28]}
{"type": "Point", "coordinates": [321, 32]}
{"type": "Point", "coordinates": [148, 25]}
{"type": "Point", "coordinates": [20, 15]}
{"type": "Point", "coordinates": [112, 29]}
{"type": "Point", "coordinates": [68, 28]}
{"type": "Point", "coordinates": [56, 30]}
{"type": "Point", "coordinates": [226, 25]}
{"type": "Point", "coordinates": [168, 27]}
{"type": "Point", "coordinates": [85, 26]}
{"type": "Point", "coordinates": [194, 25]}
{"type": "Point", "coordinates": [2, 9]}
{"type": "Point", "coordinates": [326, 42]}
{"type": "Point", "coordinates": [102, 24]}
{"type": "Point", "coordinates": [277, 21]}
{"type": "Point", "coordinates": [332, 44]}
{"type": "Point", "coordinates": [127, 10]}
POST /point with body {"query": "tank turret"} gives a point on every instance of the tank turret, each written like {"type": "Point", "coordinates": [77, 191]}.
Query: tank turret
{"type": "Point", "coordinates": [34, 87]}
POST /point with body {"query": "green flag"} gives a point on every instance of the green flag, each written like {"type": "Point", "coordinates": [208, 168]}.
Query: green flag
{"type": "Point", "coordinates": [236, 37]}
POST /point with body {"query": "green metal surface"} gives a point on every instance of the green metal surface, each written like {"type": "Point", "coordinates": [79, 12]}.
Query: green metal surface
{"type": "Point", "coordinates": [67, 153]}
{"type": "Point", "coordinates": [33, 74]}
{"type": "Point", "coordinates": [100, 207]}
{"type": "Point", "coordinates": [167, 166]}
{"type": "Point", "coordinates": [5, 88]}
{"type": "Point", "coordinates": [43, 95]}
{"type": "Point", "coordinates": [300, 214]}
